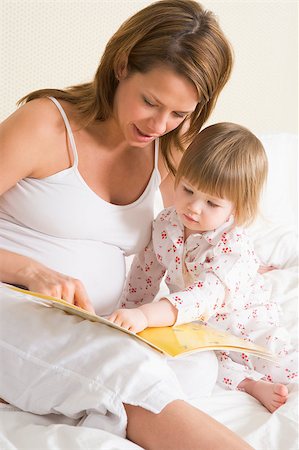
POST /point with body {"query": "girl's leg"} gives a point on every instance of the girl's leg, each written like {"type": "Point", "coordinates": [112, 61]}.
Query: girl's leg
{"type": "Point", "coordinates": [180, 426]}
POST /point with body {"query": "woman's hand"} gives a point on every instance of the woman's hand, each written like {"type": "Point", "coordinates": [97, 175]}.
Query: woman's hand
{"type": "Point", "coordinates": [23, 271]}
{"type": "Point", "coordinates": [131, 319]}
{"type": "Point", "coordinates": [49, 282]}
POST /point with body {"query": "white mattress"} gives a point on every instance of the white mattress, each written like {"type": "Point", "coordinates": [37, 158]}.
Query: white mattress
{"type": "Point", "coordinates": [276, 243]}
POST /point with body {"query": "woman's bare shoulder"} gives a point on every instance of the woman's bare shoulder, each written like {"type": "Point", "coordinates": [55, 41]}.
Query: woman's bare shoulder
{"type": "Point", "coordinates": [37, 116]}
{"type": "Point", "coordinates": [25, 139]}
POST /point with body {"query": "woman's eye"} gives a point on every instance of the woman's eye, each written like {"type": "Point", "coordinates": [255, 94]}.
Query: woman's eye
{"type": "Point", "coordinates": [147, 102]}
{"type": "Point", "coordinates": [180, 115]}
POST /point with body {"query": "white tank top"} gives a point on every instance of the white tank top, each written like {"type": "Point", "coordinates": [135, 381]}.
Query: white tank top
{"type": "Point", "coordinates": [60, 222]}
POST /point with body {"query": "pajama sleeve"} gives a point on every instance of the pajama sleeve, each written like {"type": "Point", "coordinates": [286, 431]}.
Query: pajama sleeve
{"type": "Point", "coordinates": [227, 271]}
{"type": "Point", "coordinates": [200, 300]}
{"type": "Point", "coordinates": [143, 280]}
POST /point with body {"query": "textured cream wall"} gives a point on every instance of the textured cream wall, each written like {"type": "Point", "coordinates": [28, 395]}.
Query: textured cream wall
{"type": "Point", "coordinates": [55, 43]}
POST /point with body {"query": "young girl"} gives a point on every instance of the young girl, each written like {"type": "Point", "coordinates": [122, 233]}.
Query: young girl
{"type": "Point", "coordinates": [210, 265]}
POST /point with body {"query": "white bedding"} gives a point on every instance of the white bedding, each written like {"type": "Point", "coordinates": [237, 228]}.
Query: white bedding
{"type": "Point", "coordinates": [276, 243]}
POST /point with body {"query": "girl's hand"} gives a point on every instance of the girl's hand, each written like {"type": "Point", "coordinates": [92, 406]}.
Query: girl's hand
{"type": "Point", "coordinates": [39, 278]}
{"type": "Point", "coordinates": [265, 269]}
{"type": "Point", "coordinates": [131, 319]}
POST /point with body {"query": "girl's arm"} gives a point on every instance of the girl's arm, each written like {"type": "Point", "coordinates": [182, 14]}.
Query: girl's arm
{"type": "Point", "coordinates": [143, 280]}
{"type": "Point", "coordinates": [160, 314]}
{"type": "Point", "coordinates": [157, 314]}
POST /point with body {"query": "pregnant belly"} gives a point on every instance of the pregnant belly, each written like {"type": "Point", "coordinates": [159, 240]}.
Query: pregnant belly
{"type": "Point", "coordinates": [100, 266]}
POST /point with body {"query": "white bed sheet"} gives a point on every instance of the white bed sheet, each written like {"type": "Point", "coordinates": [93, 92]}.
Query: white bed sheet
{"type": "Point", "coordinates": [276, 243]}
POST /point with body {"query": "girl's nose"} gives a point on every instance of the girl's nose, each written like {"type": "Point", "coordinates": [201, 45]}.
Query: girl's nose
{"type": "Point", "coordinates": [195, 208]}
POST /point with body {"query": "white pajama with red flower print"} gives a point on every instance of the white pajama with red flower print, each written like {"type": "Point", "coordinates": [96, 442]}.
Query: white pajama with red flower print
{"type": "Point", "coordinates": [213, 277]}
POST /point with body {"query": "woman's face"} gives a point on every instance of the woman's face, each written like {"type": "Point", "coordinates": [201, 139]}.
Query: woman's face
{"type": "Point", "coordinates": [148, 105]}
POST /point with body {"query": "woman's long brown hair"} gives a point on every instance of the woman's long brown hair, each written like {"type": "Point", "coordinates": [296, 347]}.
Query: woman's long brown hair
{"type": "Point", "coordinates": [176, 33]}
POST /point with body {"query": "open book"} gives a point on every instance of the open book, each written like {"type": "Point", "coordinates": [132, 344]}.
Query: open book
{"type": "Point", "coordinates": [172, 341]}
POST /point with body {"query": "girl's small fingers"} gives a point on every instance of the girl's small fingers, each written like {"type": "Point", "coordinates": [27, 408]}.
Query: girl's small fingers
{"type": "Point", "coordinates": [112, 318]}
{"type": "Point", "coordinates": [118, 321]}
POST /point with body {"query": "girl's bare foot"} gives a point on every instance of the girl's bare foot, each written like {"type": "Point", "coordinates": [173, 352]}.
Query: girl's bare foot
{"type": "Point", "coordinates": [271, 395]}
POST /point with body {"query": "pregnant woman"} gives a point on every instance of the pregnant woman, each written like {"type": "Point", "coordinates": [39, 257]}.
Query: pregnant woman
{"type": "Point", "coordinates": [79, 169]}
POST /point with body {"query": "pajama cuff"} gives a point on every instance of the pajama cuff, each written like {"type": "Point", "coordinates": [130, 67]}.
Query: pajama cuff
{"type": "Point", "coordinates": [233, 380]}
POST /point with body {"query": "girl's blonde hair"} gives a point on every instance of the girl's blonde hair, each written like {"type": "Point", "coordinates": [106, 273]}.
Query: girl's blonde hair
{"type": "Point", "coordinates": [228, 161]}
{"type": "Point", "coordinates": [176, 33]}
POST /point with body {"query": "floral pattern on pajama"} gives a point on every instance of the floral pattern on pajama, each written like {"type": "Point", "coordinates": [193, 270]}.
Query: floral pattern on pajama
{"type": "Point", "coordinates": [213, 277]}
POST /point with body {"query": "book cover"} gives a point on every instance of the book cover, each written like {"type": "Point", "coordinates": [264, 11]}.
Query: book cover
{"type": "Point", "coordinates": [173, 341]}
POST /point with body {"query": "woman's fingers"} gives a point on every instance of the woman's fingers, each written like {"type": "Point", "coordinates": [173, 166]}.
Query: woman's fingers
{"type": "Point", "coordinates": [61, 286]}
{"type": "Point", "coordinates": [81, 298]}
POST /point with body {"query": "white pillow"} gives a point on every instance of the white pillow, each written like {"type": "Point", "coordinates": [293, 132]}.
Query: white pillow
{"type": "Point", "coordinates": [279, 203]}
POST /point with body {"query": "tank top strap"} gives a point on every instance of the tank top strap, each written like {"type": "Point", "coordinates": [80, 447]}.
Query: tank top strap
{"type": "Point", "coordinates": [68, 129]}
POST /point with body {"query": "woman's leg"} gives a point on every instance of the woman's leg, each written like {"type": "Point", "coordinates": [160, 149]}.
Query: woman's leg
{"type": "Point", "coordinates": [56, 363]}
{"type": "Point", "coordinates": [52, 362]}
{"type": "Point", "coordinates": [179, 426]}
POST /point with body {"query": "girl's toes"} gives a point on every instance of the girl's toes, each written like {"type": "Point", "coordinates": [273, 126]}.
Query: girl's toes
{"type": "Point", "coordinates": [281, 389]}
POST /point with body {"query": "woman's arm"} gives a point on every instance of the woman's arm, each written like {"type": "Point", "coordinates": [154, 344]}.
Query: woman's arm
{"type": "Point", "coordinates": [28, 142]}
{"type": "Point", "coordinates": [23, 271]}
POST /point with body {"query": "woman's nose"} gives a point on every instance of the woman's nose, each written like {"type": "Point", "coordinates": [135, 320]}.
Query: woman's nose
{"type": "Point", "coordinates": [158, 124]}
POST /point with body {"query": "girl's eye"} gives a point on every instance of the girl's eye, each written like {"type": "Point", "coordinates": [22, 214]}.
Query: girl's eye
{"type": "Point", "coordinates": [212, 205]}
{"type": "Point", "coordinates": [187, 190]}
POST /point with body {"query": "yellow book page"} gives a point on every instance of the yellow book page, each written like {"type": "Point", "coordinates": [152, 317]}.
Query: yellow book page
{"type": "Point", "coordinates": [196, 336]}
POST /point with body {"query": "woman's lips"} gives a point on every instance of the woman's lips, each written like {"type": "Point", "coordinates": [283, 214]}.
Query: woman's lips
{"type": "Point", "coordinates": [142, 137]}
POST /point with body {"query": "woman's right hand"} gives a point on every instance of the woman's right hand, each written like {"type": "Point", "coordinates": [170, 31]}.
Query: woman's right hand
{"type": "Point", "coordinates": [55, 284]}
{"type": "Point", "coordinates": [21, 270]}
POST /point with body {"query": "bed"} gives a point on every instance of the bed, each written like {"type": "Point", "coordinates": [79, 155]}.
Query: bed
{"type": "Point", "coordinates": [275, 238]}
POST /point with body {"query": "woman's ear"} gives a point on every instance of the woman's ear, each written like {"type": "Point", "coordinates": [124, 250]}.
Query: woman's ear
{"type": "Point", "coordinates": [121, 71]}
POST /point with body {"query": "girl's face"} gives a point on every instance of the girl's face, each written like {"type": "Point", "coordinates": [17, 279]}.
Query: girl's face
{"type": "Point", "coordinates": [148, 105]}
{"type": "Point", "coordinates": [200, 211]}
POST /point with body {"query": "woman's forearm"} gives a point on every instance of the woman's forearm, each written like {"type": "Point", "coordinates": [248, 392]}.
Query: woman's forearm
{"type": "Point", "coordinates": [23, 271]}
{"type": "Point", "coordinates": [15, 268]}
